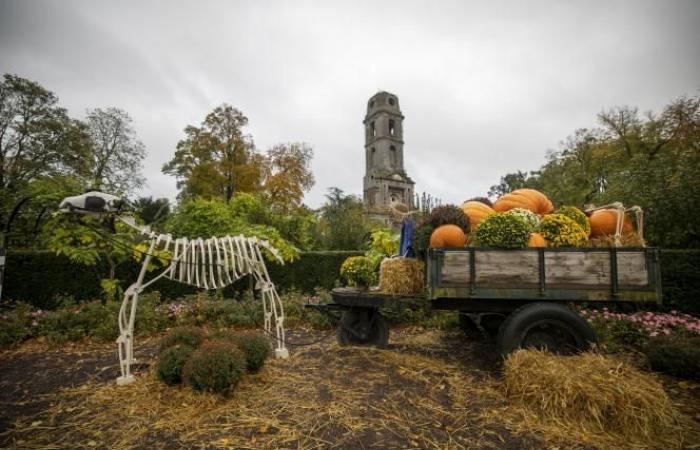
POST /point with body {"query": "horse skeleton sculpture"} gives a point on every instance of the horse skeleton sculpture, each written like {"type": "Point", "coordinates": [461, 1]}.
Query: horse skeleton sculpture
{"type": "Point", "coordinates": [211, 263]}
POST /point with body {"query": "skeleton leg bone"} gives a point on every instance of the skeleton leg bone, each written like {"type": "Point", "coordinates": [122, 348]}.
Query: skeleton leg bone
{"type": "Point", "coordinates": [193, 263]}
{"type": "Point", "coordinates": [126, 334]}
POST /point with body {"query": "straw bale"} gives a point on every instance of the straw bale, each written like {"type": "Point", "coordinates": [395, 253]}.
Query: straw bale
{"type": "Point", "coordinates": [589, 392]}
{"type": "Point", "coordinates": [401, 275]}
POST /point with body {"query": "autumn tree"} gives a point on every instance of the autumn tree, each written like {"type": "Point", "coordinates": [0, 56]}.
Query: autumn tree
{"type": "Point", "coordinates": [116, 155]}
{"type": "Point", "coordinates": [342, 222]}
{"type": "Point", "coordinates": [153, 212]}
{"type": "Point", "coordinates": [37, 139]}
{"type": "Point", "coordinates": [217, 158]}
{"type": "Point", "coordinates": [41, 150]}
{"type": "Point", "coordinates": [289, 175]}
{"type": "Point", "coordinates": [650, 160]}
{"type": "Point", "coordinates": [508, 183]}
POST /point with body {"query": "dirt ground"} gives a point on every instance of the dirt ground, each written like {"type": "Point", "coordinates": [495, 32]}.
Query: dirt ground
{"type": "Point", "coordinates": [429, 389]}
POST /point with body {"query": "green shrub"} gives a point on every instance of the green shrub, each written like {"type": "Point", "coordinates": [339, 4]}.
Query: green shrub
{"type": "Point", "coordinates": [256, 349]}
{"type": "Point", "coordinates": [384, 242]}
{"type": "Point", "coordinates": [531, 219]}
{"type": "Point", "coordinates": [675, 355]}
{"type": "Point", "coordinates": [216, 366]}
{"type": "Point", "coordinates": [102, 320]}
{"type": "Point", "coordinates": [680, 279]}
{"type": "Point", "coordinates": [616, 333]}
{"type": "Point", "coordinates": [442, 320]}
{"type": "Point", "coordinates": [149, 318]}
{"type": "Point", "coordinates": [170, 363]}
{"type": "Point", "coordinates": [577, 216]}
{"type": "Point", "coordinates": [503, 231]}
{"type": "Point", "coordinates": [296, 314]}
{"type": "Point", "coordinates": [97, 320]}
{"type": "Point", "coordinates": [562, 231]}
{"type": "Point", "coordinates": [16, 325]}
{"type": "Point", "coordinates": [78, 322]}
{"type": "Point", "coordinates": [359, 271]}
{"type": "Point", "coordinates": [447, 215]}
{"type": "Point", "coordinates": [421, 239]}
{"type": "Point", "coordinates": [189, 336]}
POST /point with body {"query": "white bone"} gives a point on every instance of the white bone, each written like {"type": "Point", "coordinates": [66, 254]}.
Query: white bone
{"type": "Point", "coordinates": [193, 262]}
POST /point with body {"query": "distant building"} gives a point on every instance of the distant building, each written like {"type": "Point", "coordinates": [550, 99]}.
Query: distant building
{"type": "Point", "coordinates": [385, 178]}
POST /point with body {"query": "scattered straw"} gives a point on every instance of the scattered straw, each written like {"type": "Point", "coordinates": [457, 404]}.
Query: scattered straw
{"type": "Point", "coordinates": [401, 275]}
{"type": "Point", "coordinates": [326, 396]}
{"type": "Point", "coordinates": [319, 398]}
{"type": "Point", "coordinates": [591, 398]}
{"type": "Point", "coordinates": [626, 240]}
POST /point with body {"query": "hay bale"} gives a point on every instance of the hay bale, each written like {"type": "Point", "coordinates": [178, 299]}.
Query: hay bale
{"type": "Point", "coordinates": [589, 392]}
{"type": "Point", "coordinates": [401, 275]}
{"type": "Point", "coordinates": [626, 240]}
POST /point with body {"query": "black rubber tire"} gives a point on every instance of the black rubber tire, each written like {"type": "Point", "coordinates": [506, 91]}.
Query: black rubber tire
{"type": "Point", "coordinates": [546, 325]}
{"type": "Point", "coordinates": [377, 336]}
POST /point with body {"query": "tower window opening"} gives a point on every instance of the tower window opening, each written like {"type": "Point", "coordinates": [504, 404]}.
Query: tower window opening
{"type": "Point", "coordinates": [392, 127]}
{"type": "Point", "coordinates": [391, 101]}
{"type": "Point", "coordinates": [372, 129]}
{"type": "Point", "coordinates": [392, 155]}
{"type": "Point", "coordinates": [371, 104]}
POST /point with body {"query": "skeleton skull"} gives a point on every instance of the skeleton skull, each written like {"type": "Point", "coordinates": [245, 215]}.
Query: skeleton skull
{"type": "Point", "coordinates": [93, 203]}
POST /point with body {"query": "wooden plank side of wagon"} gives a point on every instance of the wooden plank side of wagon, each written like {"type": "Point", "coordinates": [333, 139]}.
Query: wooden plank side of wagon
{"type": "Point", "coordinates": [364, 298]}
{"type": "Point", "coordinates": [630, 275]}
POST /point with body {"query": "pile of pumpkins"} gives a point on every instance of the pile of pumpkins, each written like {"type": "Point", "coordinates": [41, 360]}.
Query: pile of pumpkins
{"type": "Point", "coordinates": [544, 222]}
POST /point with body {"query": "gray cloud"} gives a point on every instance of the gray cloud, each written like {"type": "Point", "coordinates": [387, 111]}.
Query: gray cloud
{"type": "Point", "coordinates": [486, 88]}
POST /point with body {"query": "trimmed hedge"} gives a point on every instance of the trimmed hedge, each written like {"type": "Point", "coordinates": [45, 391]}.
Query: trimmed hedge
{"type": "Point", "coordinates": [680, 279]}
{"type": "Point", "coordinates": [39, 277]}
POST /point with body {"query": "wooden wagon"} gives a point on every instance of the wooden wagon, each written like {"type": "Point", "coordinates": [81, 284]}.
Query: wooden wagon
{"type": "Point", "coordinates": [521, 295]}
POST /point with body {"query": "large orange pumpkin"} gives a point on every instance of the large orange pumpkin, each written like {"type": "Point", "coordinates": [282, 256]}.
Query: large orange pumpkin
{"type": "Point", "coordinates": [604, 221]}
{"type": "Point", "coordinates": [476, 211]}
{"type": "Point", "coordinates": [529, 199]}
{"type": "Point", "coordinates": [536, 240]}
{"type": "Point", "coordinates": [448, 236]}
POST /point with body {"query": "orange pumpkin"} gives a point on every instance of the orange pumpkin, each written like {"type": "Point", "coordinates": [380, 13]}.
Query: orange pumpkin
{"type": "Point", "coordinates": [510, 201]}
{"type": "Point", "coordinates": [536, 240]}
{"type": "Point", "coordinates": [604, 221]}
{"type": "Point", "coordinates": [476, 211]}
{"type": "Point", "coordinates": [529, 199]}
{"type": "Point", "coordinates": [448, 236]}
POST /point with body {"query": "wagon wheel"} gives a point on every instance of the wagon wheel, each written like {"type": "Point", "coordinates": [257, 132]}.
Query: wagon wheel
{"type": "Point", "coordinates": [362, 326]}
{"type": "Point", "coordinates": [548, 326]}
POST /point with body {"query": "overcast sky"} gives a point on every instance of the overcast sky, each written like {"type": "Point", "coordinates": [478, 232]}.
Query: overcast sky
{"type": "Point", "coordinates": [486, 87]}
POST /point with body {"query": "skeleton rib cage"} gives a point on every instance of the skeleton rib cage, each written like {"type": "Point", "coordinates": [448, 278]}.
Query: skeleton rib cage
{"type": "Point", "coordinates": [211, 263]}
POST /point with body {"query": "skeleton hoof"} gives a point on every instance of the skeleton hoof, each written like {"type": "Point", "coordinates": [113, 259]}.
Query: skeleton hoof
{"type": "Point", "coordinates": [124, 380]}
{"type": "Point", "coordinates": [282, 353]}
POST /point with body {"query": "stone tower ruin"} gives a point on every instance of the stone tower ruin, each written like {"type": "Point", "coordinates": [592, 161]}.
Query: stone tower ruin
{"type": "Point", "coordinates": [385, 177]}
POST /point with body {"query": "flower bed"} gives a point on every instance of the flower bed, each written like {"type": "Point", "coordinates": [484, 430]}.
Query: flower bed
{"type": "Point", "coordinates": [669, 341]}
{"type": "Point", "coordinates": [653, 324]}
